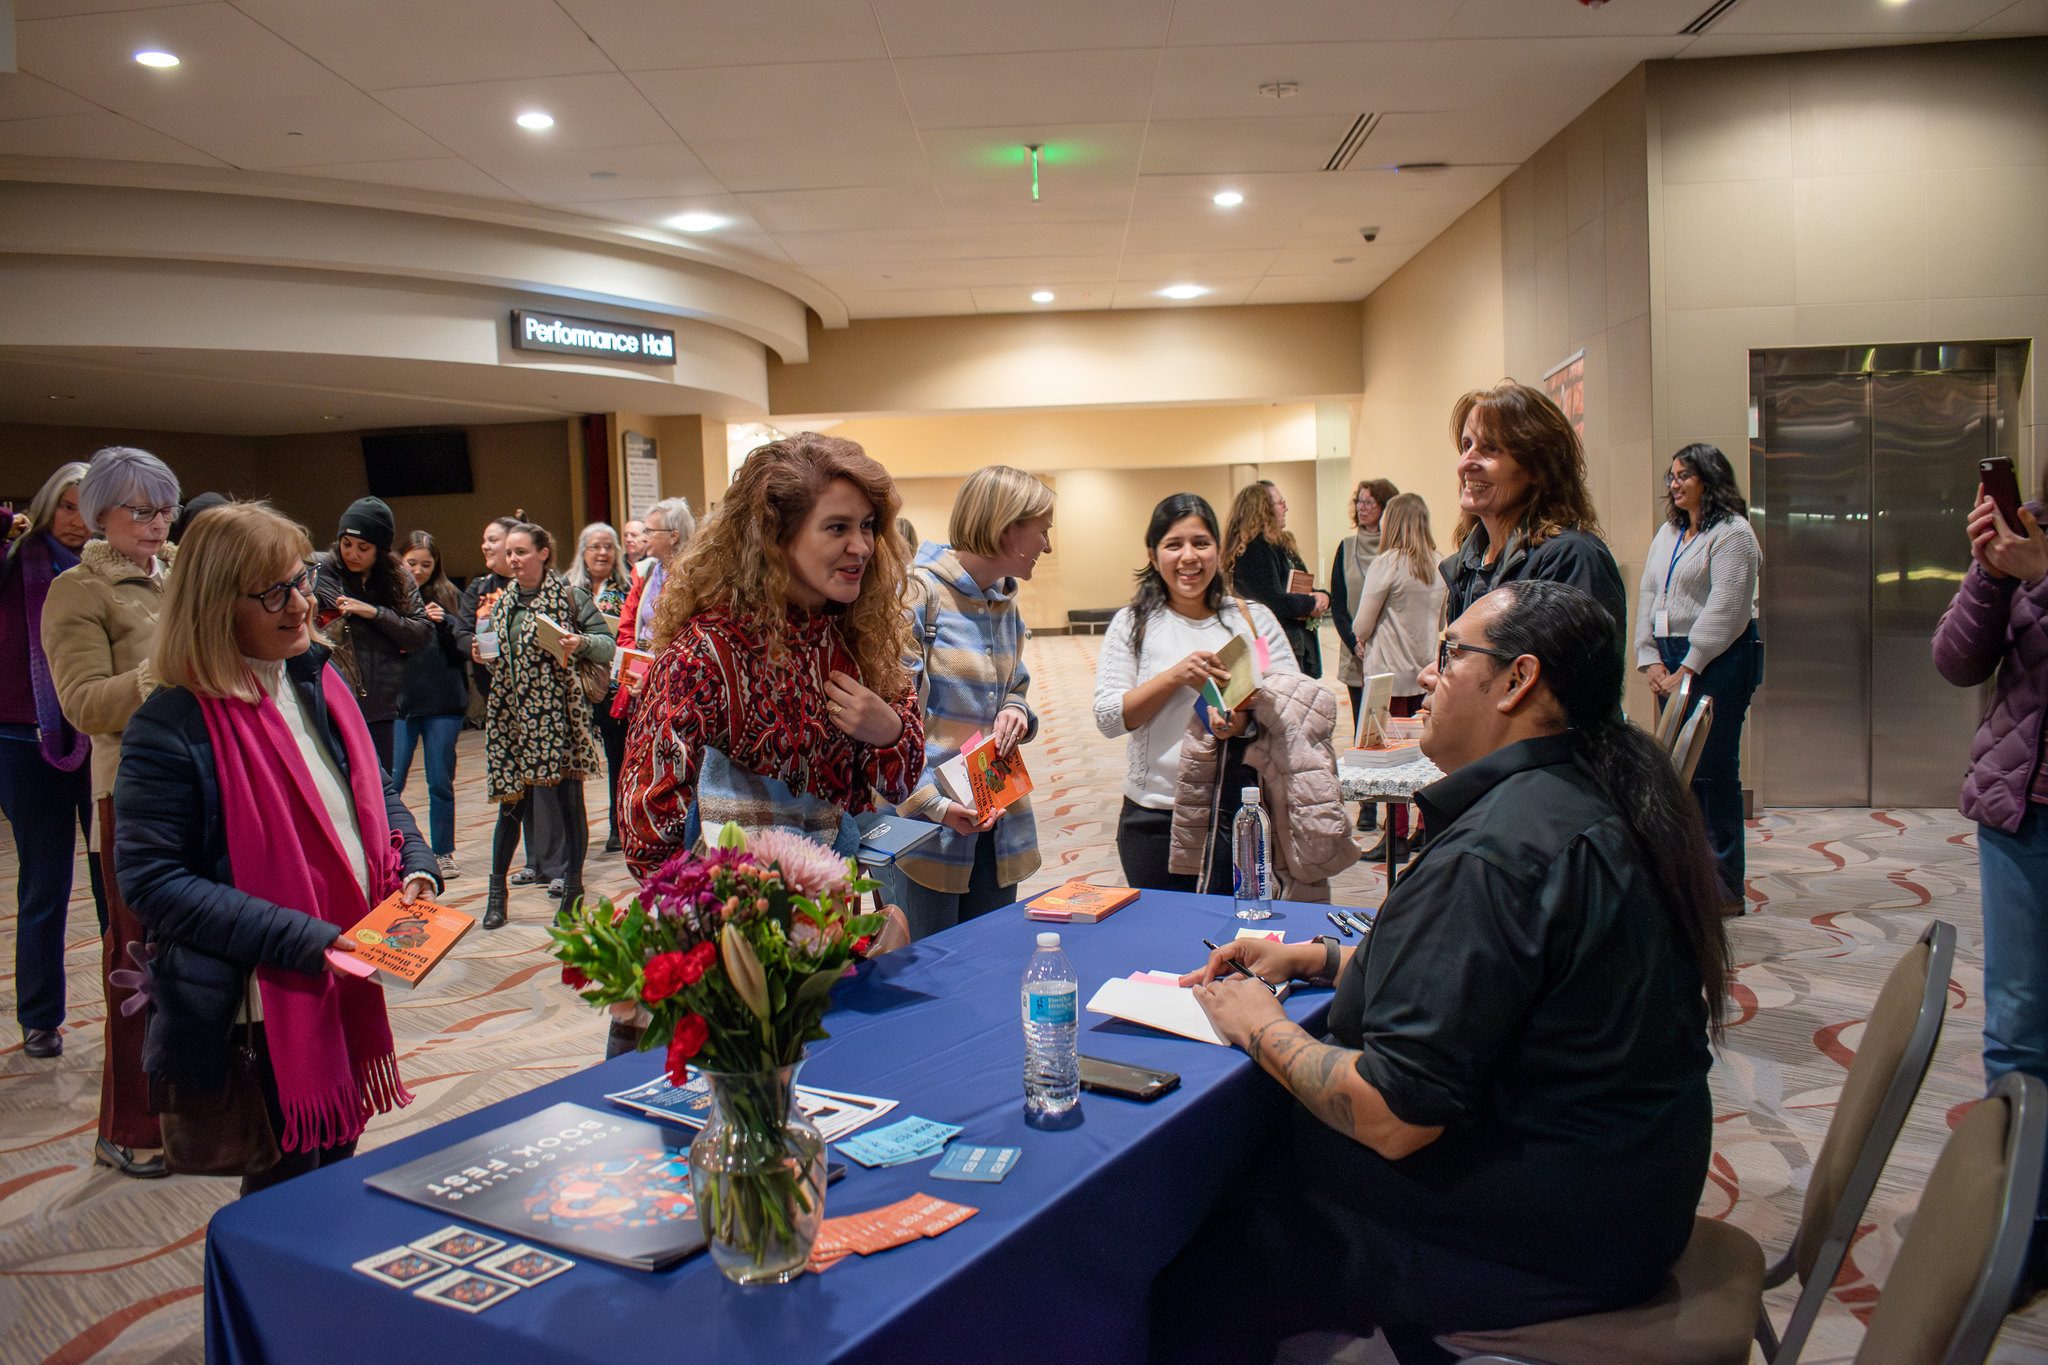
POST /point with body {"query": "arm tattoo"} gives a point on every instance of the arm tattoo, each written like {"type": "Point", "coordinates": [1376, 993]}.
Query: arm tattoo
{"type": "Point", "coordinates": [1315, 1072]}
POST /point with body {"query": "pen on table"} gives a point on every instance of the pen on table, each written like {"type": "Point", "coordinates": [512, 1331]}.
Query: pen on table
{"type": "Point", "coordinates": [1238, 967]}
{"type": "Point", "coordinates": [1364, 925]}
{"type": "Point", "coordinates": [1344, 925]}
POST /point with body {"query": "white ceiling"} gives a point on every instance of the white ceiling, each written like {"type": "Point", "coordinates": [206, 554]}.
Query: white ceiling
{"type": "Point", "coordinates": [875, 144]}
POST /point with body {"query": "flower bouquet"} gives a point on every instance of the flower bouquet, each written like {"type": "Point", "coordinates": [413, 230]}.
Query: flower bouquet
{"type": "Point", "coordinates": [733, 952]}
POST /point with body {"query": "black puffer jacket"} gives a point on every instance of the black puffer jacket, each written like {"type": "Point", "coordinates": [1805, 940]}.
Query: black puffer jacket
{"type": "Point", "coordinates": [171, 855]}
{"type": "Point", "coordinates": [370, 650]}
{"type": "Point", "coordinates": [437, 677]}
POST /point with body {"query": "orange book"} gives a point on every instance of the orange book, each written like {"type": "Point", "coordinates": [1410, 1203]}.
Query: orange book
{"type": "Point", "coordinates": [1080, 902]}
{"type": "Point", "coordinates": [996, 782]}
{"type": "Point", "coordinates": [633, 663]}
{"type": "Point", "coordinates": [404, 942]}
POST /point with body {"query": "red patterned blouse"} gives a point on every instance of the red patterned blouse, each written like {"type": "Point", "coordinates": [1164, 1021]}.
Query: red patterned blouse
{"type": "Point", "coordinates": [715, 687]}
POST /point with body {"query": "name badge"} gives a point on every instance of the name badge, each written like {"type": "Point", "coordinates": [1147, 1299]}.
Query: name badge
{"type": "Point", "coordinates": [1660, 622]}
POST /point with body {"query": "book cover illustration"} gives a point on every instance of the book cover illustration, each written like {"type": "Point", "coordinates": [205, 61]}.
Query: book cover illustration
{"type": "Point", "coordinates": [405, 942]}
{"type": "Point", "coordinates": [605, 1186]}
{"type": "Point", "coordinates": [1080, 902]}
{"type": "Point", "coordinates": [997, 781]}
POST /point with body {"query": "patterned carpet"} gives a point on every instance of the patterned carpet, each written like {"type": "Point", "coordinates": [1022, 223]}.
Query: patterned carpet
{"type": "Point", "coordinates": [95, 1267]}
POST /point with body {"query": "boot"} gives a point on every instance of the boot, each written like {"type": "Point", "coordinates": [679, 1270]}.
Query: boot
{"type": "Point", "coordinates": [1368, 817]}
{"type": "Point", "coordinates": [494, 904]}
{"type": "Point", "coordinates": [572, 895]}
{"type": "Point", "coordinates": [1378, 852]}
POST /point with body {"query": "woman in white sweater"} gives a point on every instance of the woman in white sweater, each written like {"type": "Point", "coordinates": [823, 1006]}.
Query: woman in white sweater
{"type": "Point", "coordinates": [1696, 614]}
{"type": "Point", "coordinates": [1157, 654]}
{"type": "Point", "coordinates": [1400, 611]}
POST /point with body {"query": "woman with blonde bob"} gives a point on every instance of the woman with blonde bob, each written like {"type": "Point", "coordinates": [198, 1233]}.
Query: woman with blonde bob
{"type": "Point", "coordinates": [968, 652]}
{"type": "Point", "coordinates": [781, 695]}
{"type": "Point", "coordinates": [1400, 611]}
{"type": "Point", "coordinates": [254, 824]}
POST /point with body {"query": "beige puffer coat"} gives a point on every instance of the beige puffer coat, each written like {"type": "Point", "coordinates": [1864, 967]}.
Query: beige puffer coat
{"type": "Point", "coordinates": [99, 629]}
{"type": "Point", "coordinates": [1295, 756]}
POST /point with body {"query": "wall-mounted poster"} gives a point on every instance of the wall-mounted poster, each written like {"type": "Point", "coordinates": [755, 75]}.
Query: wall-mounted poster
{"type": "Point", "coordinates": [1565, 382]}
{"type": "Point", "coordinates": [643, 474]}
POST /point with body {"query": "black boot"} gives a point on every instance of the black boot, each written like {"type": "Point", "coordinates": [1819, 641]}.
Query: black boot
{"type": "Point", "coordinates": [1378, 852]}
{"type": "Point", "coordinates": [494, 904]}
{"type": "Point", "coordinates": [1368, 817]}
{"type": "Point", "coordinates": [504, 842]}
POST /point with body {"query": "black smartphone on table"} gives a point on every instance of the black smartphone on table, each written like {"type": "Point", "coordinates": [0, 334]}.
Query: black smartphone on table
{"type": "Point", "coordinates": [1120, 1078]}
{"type": "Point", "coordinates": [2002, 486]}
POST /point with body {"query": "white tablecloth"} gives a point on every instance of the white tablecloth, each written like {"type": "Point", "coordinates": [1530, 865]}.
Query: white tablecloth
{"type": "Point", "coordinates": [1385, 784]}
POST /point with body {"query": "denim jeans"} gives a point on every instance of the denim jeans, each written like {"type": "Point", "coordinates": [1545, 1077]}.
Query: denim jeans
{"type": "Point", "coordinates": [2013, 874]}
{"type": "Point", "coordinates": [931, 912]}
{"type": "Point", "coordinates": [439, 734]}
{"type": "Point", "coordinates": [1730, 678]}
{"type": "Point", "coordinates": [47, 809]}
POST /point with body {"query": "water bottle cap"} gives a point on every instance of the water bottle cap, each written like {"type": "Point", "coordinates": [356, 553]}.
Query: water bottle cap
{"type": "Point", "coordinates": [1249, 796]}
{"type": "Point", "coordinates": [1048, 939]}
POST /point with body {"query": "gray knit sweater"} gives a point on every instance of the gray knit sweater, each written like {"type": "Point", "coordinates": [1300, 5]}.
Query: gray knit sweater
{"type": "Point", "coordinates": [1712, 594]}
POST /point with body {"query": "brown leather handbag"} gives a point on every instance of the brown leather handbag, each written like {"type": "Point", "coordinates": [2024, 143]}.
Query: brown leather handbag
{"type": "Point", "coordinates": [225, 1131]}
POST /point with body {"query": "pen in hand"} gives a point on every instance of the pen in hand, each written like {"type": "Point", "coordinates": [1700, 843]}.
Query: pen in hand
{"type": "Point", "coordinates": [1238, 967]}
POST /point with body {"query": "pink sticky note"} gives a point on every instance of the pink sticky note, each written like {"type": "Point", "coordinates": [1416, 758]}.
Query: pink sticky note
{"type": "Point", "coordinates": [350, 963]}
{"type": "Point", "coordinates": [1262, 652]}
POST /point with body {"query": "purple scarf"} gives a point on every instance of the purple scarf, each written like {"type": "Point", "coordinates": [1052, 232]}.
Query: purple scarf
{"type": "Point", "coordinates": [42, 559]}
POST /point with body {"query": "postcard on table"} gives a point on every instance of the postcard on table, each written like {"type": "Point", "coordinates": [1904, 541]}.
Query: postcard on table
{"type": "Point", "coordinates": [402, 1266]}
{"type": "Point", "coordinates": [524, 1265]}
{"type": "Point", "coordinates": [467, 1290]}
{"type": "Point", "coordinates": [457, 1245]}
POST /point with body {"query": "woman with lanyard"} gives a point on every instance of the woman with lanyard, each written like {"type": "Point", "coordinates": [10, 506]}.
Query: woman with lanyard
{"type": "Point", "coordinates": [539, 742]}
{"type": "Point", "coordinates": [1696, 615]}
{"type": "Point", "coordinates": [599, 572]}
{"type": "Point", "coordinates": [45, 783]}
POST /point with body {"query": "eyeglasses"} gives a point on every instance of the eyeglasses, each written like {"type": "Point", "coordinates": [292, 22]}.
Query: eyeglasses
{"type": "Point", "coordinates": [276, 595]}
{"type": "Point", "coordinates": [1446, 646]}
{"type": "Point", "coordinates": [142, 516]}
{"type": "Point", "coordinates": [1673, 480]}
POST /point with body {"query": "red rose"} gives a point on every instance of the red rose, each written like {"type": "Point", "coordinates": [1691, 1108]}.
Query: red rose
{"type": "Point", "coordinates": [663, 976]}
{"type": "Point", "coordinates": [696, 962]}
{"type": "Point", "coordinates": [691, 1031]}
{"type": "Point", "coordinates": [574, 978]}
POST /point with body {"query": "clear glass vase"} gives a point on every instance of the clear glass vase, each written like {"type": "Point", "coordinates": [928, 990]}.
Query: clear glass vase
{"type": "Point", "coordinates": [758, 1172]}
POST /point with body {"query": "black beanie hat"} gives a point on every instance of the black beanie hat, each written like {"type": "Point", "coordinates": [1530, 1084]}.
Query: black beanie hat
{"type": "Point", "coordinates": [369, 519]}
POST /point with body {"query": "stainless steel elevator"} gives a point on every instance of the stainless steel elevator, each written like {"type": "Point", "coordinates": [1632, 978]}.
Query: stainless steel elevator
{"type": "Point", "coordinates": [1863, 465]}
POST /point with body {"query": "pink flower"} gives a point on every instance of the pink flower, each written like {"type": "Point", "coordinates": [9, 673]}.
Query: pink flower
{"type": "Point", "coordinates": [807, 867]}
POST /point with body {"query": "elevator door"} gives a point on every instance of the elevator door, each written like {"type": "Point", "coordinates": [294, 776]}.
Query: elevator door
{"type": "Point", "coordinates": [1865, 482]}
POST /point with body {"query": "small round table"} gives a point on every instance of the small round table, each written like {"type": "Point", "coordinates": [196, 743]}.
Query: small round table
{"type": "Point", "coordinates": [1355, 782]}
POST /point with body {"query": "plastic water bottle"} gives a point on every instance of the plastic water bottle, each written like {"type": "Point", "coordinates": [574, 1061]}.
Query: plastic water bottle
{"type": "Point", "coordinates": [1052, 1002]}
{"type": "Point", "coordinates": [1251, 858]}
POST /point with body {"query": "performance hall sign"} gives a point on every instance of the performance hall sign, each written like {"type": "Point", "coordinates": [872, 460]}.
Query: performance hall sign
{"type": "Point", "coordinates": [587, 336]}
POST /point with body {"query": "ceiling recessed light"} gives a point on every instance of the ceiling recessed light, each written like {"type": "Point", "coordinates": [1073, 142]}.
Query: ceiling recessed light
{"type": "Point", "coordinates": [534, 120]}
{"type": "Point", "coordinates": [1042, 296]}
{"type": "Point", "coordinates": [63, 397]}
{"type": "Point", "coordinates": [158, 59]}
{"type": "Point", "coordinates": [1229, 199]}
{"type": "Point", "coordinates": [1342, 260]}
{"type": "Point", "coordinates": [696, 222]}
{"type": "Point", "coordinates": [1183, 291]}
{"type": "Point", "coordinates": [604, 175]}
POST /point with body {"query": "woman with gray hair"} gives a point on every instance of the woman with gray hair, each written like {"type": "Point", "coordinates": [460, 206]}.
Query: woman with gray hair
{"type": "Point", "coordinates": [98, 631]}
{"type": "Point", "coordinates": [45, 785]}
{"type": "Point", "coordinates": [600, 570]}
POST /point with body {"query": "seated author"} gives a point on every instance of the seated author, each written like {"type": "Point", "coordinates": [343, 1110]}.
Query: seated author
{"type": "Point", "coordinates": [1509, 1122]}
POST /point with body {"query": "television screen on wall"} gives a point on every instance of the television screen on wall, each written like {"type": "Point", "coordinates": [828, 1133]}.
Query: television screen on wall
{"type": "Point", "coordinates": [417, 462]}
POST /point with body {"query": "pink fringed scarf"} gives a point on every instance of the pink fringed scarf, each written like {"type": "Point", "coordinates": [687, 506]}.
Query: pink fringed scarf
{"type": "Point", "coordinates": [330, 1042]}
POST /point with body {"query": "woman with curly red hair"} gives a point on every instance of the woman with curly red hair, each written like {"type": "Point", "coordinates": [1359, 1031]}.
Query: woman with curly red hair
{"type": "Point", "coordinates": [780, 697]}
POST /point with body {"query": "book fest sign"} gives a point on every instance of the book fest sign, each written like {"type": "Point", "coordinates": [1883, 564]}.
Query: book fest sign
{"type": "Point", "coordinates": [560, 335]}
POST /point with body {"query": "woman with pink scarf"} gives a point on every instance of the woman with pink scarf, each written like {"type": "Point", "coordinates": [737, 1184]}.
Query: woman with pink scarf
{"type": "Point", "coordinates": [253, 825]}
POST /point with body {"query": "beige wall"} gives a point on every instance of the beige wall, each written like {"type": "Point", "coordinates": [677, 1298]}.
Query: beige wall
{"type": "Point", "coordinates": [1842, 198]}
{"type": "Point", "coordinates": [689, 448]}
{"type": "Point", "coordinates": [312, 478]}
{"type": "Point", "coordinates": [1126, 437]}
{"type": "Point", "coordinates": [928, 502]}
{"type": "Point", "coordinates": [1431, 333]}
{"type": "Point", "coordinates": [1057, 360]}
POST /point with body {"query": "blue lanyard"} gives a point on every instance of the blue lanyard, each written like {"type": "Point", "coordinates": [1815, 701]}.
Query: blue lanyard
{"type": "Point", "coordinates": [1672, 568]}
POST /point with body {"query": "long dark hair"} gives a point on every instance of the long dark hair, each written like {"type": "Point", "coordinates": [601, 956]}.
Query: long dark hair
{"type": "Point", "coordinates": [1151, 594]}
{"type": "Point", "coordinates": [384, 584]}
{"type": "Point", "coordinates": [437, 588]}
{"type": "Point", "coordinates": [1720, 499]}
{"type": "Point", "coordinates": [1577, 644]}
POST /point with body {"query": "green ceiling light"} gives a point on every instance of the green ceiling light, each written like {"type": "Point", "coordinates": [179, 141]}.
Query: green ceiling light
{"type": "Point", "coordinates": [1034, 148]}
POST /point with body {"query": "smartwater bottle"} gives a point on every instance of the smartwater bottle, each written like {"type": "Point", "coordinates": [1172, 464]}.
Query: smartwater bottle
{"type": "Point", "coordinates": [1251, 858]}
{"type": "Point", "coordinates": [1052, 1001]}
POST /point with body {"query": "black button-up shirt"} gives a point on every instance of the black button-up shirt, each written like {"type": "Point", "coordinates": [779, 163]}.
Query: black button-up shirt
{"type": "Point", "coordinates": [1525, 989]}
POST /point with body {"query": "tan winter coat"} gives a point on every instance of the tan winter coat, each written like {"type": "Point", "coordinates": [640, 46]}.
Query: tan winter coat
{"type": "Point", "coordinates": [1295, 756]}
{"type": "Point", "coordinates": [99, 629]}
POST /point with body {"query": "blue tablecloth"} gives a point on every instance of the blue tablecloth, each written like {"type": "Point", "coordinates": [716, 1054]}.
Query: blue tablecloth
{"type": "Point", "coordinates": [1057, 1265]}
